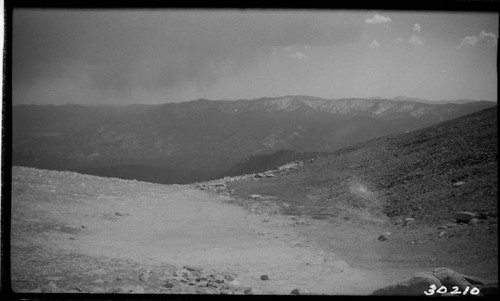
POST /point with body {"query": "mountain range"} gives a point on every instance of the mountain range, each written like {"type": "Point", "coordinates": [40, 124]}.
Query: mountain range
{"type": "Point", "coordinates": [202, 139]}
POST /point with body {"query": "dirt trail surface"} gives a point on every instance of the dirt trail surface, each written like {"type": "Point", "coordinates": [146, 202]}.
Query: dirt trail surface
{"type": "Point", "coordinates": [80, 233]}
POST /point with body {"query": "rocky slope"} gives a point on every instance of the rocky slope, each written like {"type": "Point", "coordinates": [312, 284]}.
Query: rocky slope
{"type": "Point", "coordinates": [425, 177]}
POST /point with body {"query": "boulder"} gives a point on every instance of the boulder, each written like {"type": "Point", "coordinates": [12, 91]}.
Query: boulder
{"type": "Point", "coordinates": [408, 221]}
{"type": "Point", "coordinates": [414, 286]}
{"type": "Point", "coordinates": [254, 196]}
{"type": "Point", "coordinates": [51, 287]}
{"type": "Point", "coordinates": [295, 291]}
{"type": "Point", "coordinates": [193, 268]}
{"type": "Point", "coordinates": [450, 278]}
{"type": "Point", "coordinates": [264, 277]}
{"type": "Point", "coordinates": [464, 216]}
{"type": "Point", "coordinates": [144, 277]}
{"type": "Point", "coordinates": [226, 292]}
{"type": "Point", "coordinates": [202, 283]}
{"type": "Point", "coordinates": [384, 236]}
{"type": "Point", "coordinates": [473, 221]}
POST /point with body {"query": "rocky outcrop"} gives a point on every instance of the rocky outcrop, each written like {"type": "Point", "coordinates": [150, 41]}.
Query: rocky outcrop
{"type": "Point", "coordinates": [414, 286]}
{"type": "Point", "coordinates": [440, 282]}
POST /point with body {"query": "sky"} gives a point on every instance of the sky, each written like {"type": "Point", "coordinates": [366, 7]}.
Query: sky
{"type": "Point", "coordinates": [88, 56]}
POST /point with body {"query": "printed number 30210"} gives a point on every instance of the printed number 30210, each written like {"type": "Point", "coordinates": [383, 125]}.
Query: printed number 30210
{"type": "Point", "coordinates": [442, 290]}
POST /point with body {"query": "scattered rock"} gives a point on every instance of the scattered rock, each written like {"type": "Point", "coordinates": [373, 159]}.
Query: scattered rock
{"type": "Point", "coordinates": [183, 273]}
{"type": "Point", "coordinates": [97, 290]}
{"type": "Point", "coordinates": [464, 216]}
{"type": "Point", "coordinates": [51, 287]}
{"type": "Point", "coordinates": [442, 227]}
{"type": "Point", "coordinates": [255, 196]}
{"type": "Point", "coordinates": [398, 221]}
{"type": "Point", "coordinates": [264, 277]}
{"type": "Point", "coordinates": [450, 278]}
{"type": "Point", "coordinates": [168, 284]}
{"type": "Point", "coordinates": [217, 278]}
{"type": "Point", "coordinates": [384, 236]}
{"type": "Point", "coordinates": [270, 175]}
{"type": "Point", "coordinates": [247, 291]}
{"type": "Point", "coordinates": [213, 284]}
{"type": "Point", "coordinates": [442, 233]}
{"type": "Point", "coordinates": [413, 286]}
{"type": "Point", "coordinates": [118, 214]}
{"type": "Point", "coordinates": [460, 183]}
{"type": "Point", "coordinates": [128, 289]}
{"type": "Point", "coordinates": [204, 290]}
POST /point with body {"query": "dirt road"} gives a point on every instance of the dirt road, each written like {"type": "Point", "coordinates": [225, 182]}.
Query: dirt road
{"type": "Point", "coordinates": [87, 234]}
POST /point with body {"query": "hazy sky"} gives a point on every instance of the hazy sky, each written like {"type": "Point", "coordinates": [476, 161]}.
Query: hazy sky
{"type": "Point", "coordinates": [159, 56]}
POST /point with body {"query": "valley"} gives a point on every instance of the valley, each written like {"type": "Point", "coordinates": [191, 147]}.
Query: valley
{"type": "Point", "coordinates": [179, 143]}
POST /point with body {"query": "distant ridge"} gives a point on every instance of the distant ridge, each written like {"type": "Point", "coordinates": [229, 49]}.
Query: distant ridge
{"type": "Point", "coordinates": [202, 138]}
{"type": "Point", "coordinates": [456, 101]}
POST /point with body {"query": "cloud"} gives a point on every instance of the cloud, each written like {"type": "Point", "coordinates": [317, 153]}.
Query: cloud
{"type": "Point", "coordinates": [374, 45]}
{"type": "Point", "coordinates": [298, 55]}
{"type": "Point", "coordinates": [415, 40]}
{"type": "Point", "coordinates": [484, 38]}
{"type": "Point", "coordinates": [416, 28]}
{"type": "Point", "coordinates": [378, 19]}
{"type": "Point", "coordinates": [115, 52]}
